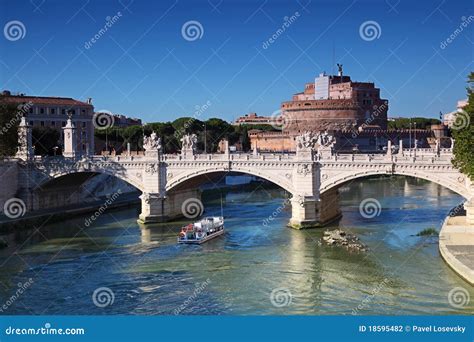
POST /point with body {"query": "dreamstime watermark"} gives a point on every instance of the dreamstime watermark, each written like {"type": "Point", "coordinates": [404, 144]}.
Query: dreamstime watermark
{"type": "Point", "coordinates": [103, 119]}
{"type": "Point", "coordinates": [199, 110]}
{"type": "Point", "coordinates": [369, 298]}
{"type": "Point", "coordinates": [22, 110]}
{"type": "Point", "coordinates": [14, 30]}
{"type": "Point", "coordinates": [14, 208]}
{"type": "Point", "coordinates": [266, 221]}
{"type": "Point", "coordinates": [457, 210]}
{"type": "Point", "coordinates": [281, 297]}
{"type": "Point", "coordinates": [88, 221]}
{"type": "Point", "coordinates": [109, 22]}
{"type": "Point", "coordinates": [464, 24]}
{"type": "Point", "coordinates": [370, 30]}
{"type": "Point", "coordinates": [46, 330]}
{"type": "Point", "coordinates": [377, 110]}
{"type": "Point", "coordinates": [458, 297]}
{"type": "Point", "coordinates": [370, 208]}
{"type": "Point", "coordinates": [287, 22]}
{"type": "Point", "coordinates": [280, 120]}
{"type": "Point", "coordinates": [197, 291]}
{"type": "Point", "coordinates": [22, 287]}
{"type": "Point", "coordinates": [192, 208]}
{"type": "Point", "coordinates": [192, 30]}
{"type": "Point", "coordinates": [461, 120]}
{"type": "Point", "coordinates": [103, 297]}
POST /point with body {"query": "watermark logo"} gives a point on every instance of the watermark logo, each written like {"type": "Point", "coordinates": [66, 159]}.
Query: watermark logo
{"type": "Point", "coordinates": [367, 301]}
{"type": "Point", "coordinates": [370, 208]}
{"type": "Point", "coordinates": [287, 21]}
{"type": "Point", "coordinates": [103, 119]}
{"type": "Point", "coordinates": [199, 110]}
{"type": "Point", "coordinates": [192, 30]}
{"type": "Point", "coordinates": [458, 297]}
{"type": "Point", "coordinates": [461, 120]}
{"type": "Point", "coordinates": [103, 297]}
{"type": "Point", "coordinates": [192, 208]}
{"type": "Point", "coordinates": [14, 208]}
{"type": "Point", "coordinates": [377, 111]}
{"type": "Point", "coordinates": [281, 297]}
{"type": "Point", "coordinates": [88, 221]}
{"type": "Point", "coordinates": [197, 291]}
{"type": "Point", "coordinates": [465, 21]}
{"type": "Point", "coordinates": [14, 30]}
{"type": "Point", "coordinates": [22, 110]}
{"type": "Point", "coordinates": [370, 30]}
{"type": "Point", "coordinates": [22, 287]}
{"type": "Point", "coordinates": [109, 22]}
{"type": "Point", "coordinates": [280, 120]}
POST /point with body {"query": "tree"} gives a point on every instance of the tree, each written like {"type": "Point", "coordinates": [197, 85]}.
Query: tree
{"type": "Point", "coordinates": [132, 135]}
{"type": "Point", "coordinates": [216, 130]}
{"type": "Point", "coordinates": [463, 133]}
{"type": "Point", "coordinates": [419, 123]}
{"type": "Point", "coordinates": [10, 117]}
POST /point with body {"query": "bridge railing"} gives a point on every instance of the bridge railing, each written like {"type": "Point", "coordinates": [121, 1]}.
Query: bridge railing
{"type": "Point", "coordinates": [231, 156]}
{"type": "Point", "coordinates": [408, 155]}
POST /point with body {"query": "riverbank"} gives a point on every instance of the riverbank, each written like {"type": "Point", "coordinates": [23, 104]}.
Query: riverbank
{"type": "Point", "coordinates": [456, 246]}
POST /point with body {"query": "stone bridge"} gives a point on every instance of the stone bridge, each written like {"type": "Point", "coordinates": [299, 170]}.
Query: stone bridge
{"type": "Point", "coordinates": [311, 176]}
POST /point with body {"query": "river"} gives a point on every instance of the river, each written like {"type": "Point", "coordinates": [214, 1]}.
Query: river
{"type": "Point", "coordinates": [147, 273]}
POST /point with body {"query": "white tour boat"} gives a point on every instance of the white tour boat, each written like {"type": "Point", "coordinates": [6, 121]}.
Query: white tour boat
{"type": "Point", "coordinates": [202, 230]}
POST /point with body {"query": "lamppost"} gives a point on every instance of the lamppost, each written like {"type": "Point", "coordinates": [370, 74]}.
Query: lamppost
{"type": "Point", "coordinates": [205, 138]}
{"type": "Point", "coordinates": [415, 143]}
{"type": "Point", "coordinates": [409, 134]}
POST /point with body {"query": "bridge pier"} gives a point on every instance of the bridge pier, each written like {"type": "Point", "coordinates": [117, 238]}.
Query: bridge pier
{"type": "Point", "coordinates": [158, 208]}
{"type": "Point", "coordinates": [152, 208]}
{"type": "Point", "coordinates": [314, 212]}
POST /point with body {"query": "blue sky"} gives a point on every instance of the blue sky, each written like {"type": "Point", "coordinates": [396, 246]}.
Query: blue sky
{"type": "Point", "coordinates": [142, 66]}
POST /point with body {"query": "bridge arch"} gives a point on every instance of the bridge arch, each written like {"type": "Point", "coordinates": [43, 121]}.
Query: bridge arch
{"type": "Point", "coordinates": [55, 176]}
{"type": "Point", "coordinates": [279, 180]}
{"type": "Point", "coordinates": [458, 185]}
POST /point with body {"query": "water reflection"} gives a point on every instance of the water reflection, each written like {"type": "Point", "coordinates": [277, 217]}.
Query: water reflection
{"type": "Point", "coordinates": [150, 273]}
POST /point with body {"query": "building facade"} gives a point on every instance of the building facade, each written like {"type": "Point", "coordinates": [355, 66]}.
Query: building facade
{"type": "Point", "coordinates": [334, 103]}
{"type": "Point", "coordinates": [253, 119]}
{"type": "Point", "coordinates": [44, 111]}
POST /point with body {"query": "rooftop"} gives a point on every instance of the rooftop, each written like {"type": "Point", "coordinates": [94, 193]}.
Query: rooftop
{"type": "Point", "coordinates": [45, 100]}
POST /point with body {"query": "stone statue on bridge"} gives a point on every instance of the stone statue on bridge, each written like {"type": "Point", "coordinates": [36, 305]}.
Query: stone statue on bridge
{"type": "Point", "coordinates": [189, 142]}
{"type": "Point", "coordinates": [152, 143]}
{"type": "Point", "coordinates": [326, 140]}
{"type": "Point", "coordinates": [306, 141]}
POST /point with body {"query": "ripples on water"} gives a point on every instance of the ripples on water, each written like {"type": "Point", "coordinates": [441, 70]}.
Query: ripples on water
{"type": "Point", "coordinates": [235, 274]}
